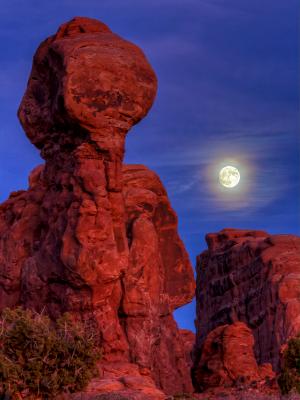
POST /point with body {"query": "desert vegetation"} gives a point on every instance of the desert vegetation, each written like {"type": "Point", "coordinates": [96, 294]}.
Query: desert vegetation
{"type": "Point", "coordinates": [289, 379]}
{"type": "Point", "coordinates": [40, 359]}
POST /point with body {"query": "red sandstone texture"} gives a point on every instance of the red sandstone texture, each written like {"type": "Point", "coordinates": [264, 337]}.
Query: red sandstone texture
{"type": "Point", "coordinates": [189, 340]}
{"type": "Point", "coordinates": [91, 236]}
{"type": "Point", "coordinates": [253, 277]}
{"type": "Point", "coordinates": [227, 359]}
{"type": "Point", "coordinates": [120, 381]}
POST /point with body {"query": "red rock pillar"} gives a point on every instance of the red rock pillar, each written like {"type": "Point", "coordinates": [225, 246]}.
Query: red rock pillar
{"type": "Point", "coordinates": [86, 89]}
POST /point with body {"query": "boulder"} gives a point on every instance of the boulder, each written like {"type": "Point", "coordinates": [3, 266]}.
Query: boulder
{"type": "Point", "coordinates": [227, 359]}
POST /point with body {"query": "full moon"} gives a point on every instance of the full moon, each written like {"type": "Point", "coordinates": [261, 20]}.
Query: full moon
{"type": "Point", "coordinates": [229, 176]}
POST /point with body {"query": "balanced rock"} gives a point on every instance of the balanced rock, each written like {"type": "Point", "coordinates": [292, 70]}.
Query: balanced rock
{"type": "Point", "coordinates": [91, 236]}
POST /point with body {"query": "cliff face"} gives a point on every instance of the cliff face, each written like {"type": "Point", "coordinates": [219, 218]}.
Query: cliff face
{"type": "Point", "coordinates": [253, 277]}
{"type": "Point", "coordinates": [91, 236]}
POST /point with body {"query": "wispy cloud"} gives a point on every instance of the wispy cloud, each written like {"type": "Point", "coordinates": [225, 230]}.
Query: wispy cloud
{"type": "Point", "coordinates": [227, 72]}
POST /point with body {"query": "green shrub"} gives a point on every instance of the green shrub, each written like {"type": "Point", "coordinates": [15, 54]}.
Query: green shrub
{"type": "Point", "coordinates": [39, 359]}
{"type": "Point", "coordinates": [289, 378]}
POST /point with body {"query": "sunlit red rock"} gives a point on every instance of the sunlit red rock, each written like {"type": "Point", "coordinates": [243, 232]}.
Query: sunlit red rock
{"type": "Point", "coordinates": [118, 381]}
{"type": "Point", "coordinates": [227, 359]}
{"type": "Point", "coordinates": [91, 236]}
{"type": "Point", "coordinates": [253, 277]}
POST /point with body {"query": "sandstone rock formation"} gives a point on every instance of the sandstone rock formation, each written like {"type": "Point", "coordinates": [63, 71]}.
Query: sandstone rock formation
{"type": "Point", "coordinates": [92, 236]}
{"type": "Point", "coordinates": [253, 277]}
{"type": "Point", "coordinates": [189, 340]}
{"type": "Point", "coordinates": [120, 381]}
{"type": "Point", "coordinates": [227, 359]}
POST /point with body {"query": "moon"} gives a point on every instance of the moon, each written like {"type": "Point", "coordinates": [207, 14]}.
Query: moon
{"type": "Point", "coordinates": [229, 176]}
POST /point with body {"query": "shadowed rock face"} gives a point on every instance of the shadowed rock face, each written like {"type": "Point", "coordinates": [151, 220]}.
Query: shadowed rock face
{"type": "Point", "coordinates": [91, 236]}
{"type": "Point", "coordinates": [253, 277]}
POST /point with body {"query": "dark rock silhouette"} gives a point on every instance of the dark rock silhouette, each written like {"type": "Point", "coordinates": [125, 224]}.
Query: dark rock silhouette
{"type": "Point", "coordinates": [91, 236]}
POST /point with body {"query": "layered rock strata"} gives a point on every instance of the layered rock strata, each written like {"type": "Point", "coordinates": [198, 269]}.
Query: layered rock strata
{"type": "Point", "coordinates": [253, 277]}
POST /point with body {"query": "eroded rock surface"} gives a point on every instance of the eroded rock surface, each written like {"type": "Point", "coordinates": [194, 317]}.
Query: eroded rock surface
{"type": "Point", "coordinates": [253, 277]}
{"type": "Point", "coordinates": [91, 236]}
{"type": "Point", "coordinates": [119, 380]}
{"type": "Point", "coordinates": [227, 359]}
{"type": "Point", "coordinates": [189, 340]}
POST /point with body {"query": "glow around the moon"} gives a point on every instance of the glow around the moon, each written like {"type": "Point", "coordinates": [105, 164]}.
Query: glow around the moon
{"type": "Point", "coordinates": [229, 176]}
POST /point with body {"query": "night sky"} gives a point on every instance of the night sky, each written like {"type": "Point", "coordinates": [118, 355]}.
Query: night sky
{"type": "Point", "coordinates": [228, 94]}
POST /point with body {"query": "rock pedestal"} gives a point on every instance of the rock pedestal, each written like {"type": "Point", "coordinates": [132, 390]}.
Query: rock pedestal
{"type": "Point", "coordinates": [91, 236]}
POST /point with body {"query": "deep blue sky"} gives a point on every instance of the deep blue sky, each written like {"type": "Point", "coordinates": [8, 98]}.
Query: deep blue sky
{"type": "Point", "coordinates": [228, 93]}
